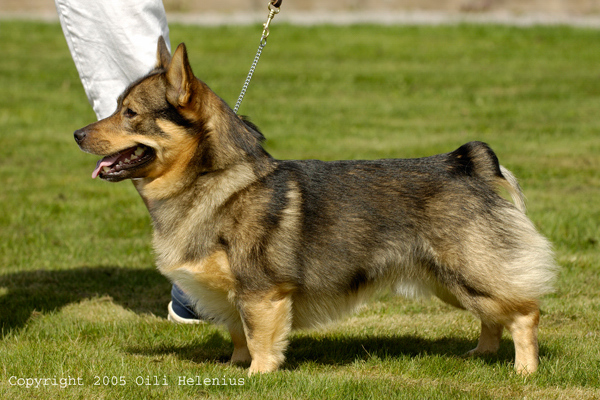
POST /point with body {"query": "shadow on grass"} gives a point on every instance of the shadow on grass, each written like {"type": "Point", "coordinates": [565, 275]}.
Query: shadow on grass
{"type": "Point", "coordinates": [334, 349]}
{"type": "Point", "coordinates": [147, 291]}
{"type": "Point", "coordinates": [342, 350]}
{"type": "Point", "coordinates": [23, 293]}
{"type": "Point", "coordinates": [211, 346]}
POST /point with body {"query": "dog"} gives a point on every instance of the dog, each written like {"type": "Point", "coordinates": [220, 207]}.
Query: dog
{"type": "Point", "coordinates": [265, 246]}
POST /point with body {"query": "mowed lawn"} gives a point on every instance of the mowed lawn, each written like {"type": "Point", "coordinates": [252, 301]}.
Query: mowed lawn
{"type": "Point", "coordinates": [83, 309]}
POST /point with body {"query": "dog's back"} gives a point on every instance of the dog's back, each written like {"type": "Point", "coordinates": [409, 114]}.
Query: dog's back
{"type": "Point", "coordinates": [434, 225]}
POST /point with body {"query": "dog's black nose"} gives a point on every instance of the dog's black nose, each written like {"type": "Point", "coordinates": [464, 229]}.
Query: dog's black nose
{"type": "Point", "coordinates": [79, 135]}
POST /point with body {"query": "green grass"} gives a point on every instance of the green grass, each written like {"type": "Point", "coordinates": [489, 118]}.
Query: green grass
{"type": "Point", "coordinates": [80, 297]}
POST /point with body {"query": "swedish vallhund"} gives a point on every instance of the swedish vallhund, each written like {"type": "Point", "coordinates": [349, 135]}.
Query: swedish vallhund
{"type": "Point", "coordinates": [265, 246]}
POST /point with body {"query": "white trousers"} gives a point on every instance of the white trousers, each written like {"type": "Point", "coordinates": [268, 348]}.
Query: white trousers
{"type": "Point", "coordinates": [113, 43]}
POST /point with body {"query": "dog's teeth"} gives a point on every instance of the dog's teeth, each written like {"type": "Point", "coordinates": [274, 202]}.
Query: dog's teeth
{"type": "Point", "coordinates": [139, 151]}
{"type": "Point", "coordinates": [134, 157]}
{"type": "Point", "coordinates": [106, 169]}
{"type": "Point", "coordinates": [127, 160]}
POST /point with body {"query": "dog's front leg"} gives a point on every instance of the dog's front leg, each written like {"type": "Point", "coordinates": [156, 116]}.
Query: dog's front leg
{"type": "Point", "coordinates": [267, 319]}
{"type": "Point", "coordinates": [241, 354]}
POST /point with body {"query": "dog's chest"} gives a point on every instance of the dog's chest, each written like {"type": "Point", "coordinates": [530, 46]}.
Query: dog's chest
{"type": "Point", "coordinates": [209, 283]}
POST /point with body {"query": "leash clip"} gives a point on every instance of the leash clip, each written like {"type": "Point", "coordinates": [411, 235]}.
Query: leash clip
{"type": "Point", "coordinates": [273, 10]}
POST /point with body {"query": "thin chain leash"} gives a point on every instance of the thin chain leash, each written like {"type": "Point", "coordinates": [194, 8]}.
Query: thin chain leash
{"type": "Point", "coordinates": [273, 10]}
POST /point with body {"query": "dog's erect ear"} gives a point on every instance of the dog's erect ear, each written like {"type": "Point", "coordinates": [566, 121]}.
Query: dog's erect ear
{"type": "Point", "coordinates": [180, 78]}
{"type": "Point", "coordinates": [163, 57]}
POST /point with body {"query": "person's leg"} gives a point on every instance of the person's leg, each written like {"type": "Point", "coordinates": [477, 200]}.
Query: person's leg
{"type": "Point", "coordinates": [180, 308]}
{"type": "Point", "coordinates": [113, 43]}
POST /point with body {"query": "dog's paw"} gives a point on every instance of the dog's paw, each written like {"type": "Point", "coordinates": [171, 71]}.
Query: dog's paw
{"type": "Point", "coordinates": [241, 356]}
{"type": "Point", "coordinates": [476, 352]}
{"type": "Point", "coordinates": [263, 366]}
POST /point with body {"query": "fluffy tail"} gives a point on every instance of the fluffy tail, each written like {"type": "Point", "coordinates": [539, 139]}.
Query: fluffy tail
{"type": "Point", "coordinates": [524, 270]}
{"type": "Point", "coordinates": [510, 183]}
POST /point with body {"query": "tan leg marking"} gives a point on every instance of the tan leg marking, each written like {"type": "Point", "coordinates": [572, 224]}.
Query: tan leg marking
{"type": "Point", "coordinates": [241, 354]}
{"type": "Point", "coordinates": [267, 322]}
{"type": "Point", "coordinates": [489, 340]}
{"type": "Point", "coordinates": [523, 329]}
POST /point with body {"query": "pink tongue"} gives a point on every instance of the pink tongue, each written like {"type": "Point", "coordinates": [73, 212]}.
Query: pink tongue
{"type": "Point", "coordinates": [105, 162]}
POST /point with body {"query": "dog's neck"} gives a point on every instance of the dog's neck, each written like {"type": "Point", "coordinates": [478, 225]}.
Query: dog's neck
{"type": "Point", "coordinates": [194, 208]}
{"type": "Point", "coordinates": [237, 160]}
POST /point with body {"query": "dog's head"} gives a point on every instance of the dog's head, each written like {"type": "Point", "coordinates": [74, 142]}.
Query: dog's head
{"type": "Point", "coordinates": [166, 123]}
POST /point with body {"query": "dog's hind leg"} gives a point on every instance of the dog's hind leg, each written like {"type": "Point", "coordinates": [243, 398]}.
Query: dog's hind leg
{"type": "Point", "coordinates": [523, 327]}
{"type": "Point", "coordinates": [489, 340]}
{"type": "Point", "coordinates": [267, 320]}
{"type": "Point", "coordinates": [522, 323]}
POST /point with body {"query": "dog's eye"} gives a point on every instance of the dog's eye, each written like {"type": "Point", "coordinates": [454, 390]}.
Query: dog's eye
{"type": "Point", "coordinates": [129, 113]}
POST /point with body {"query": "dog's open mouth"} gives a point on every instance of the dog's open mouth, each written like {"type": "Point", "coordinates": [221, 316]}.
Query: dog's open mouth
{"type": "Point", "coordinates": [116, 166]}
